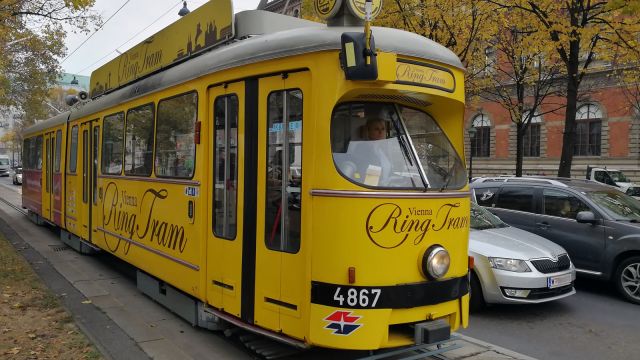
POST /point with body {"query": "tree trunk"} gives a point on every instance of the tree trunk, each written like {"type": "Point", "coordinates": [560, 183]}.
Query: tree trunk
{"type": "Point", "coordinates": [519, 148]}
{"type": "Point", "coordinates": [569, 138]}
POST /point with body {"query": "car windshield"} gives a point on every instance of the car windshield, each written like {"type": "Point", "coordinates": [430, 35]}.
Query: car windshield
{"type": "Point", "coordinates": [618, 205]}
{"type": "Point", "coordinates": [633, 191]}
{"type": "Point", "coordinates": [618, 176]}
{"type": "Point", "coordinates": [482, 219]}
{"type": "Point", "coordinates": [4, 161]}
{"type": "Point", "coordinates": [385, 145]}
{"type": "Point", "coordinates": [19, 171]}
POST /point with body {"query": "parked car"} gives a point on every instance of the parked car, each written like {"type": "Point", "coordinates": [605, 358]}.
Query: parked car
{"type": "Point", "coordinates": [513, 265]}
{"type": "Point", "coordinates": [16, 176]}
{"type": "Point", "coordinates": [5, 165]}
{"type": "Point", "coordinates": [598, 225]}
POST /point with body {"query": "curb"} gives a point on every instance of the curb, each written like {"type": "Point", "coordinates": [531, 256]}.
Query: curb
{"type": "Point", "coordinates": [109, 339]}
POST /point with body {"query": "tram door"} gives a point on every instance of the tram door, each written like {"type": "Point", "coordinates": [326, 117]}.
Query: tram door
{"type": "Point", "coordinates": [47, 175]}
{"type": "Point", "coordinates": [224, 251]}
{"type": "Point", "coordinates": [89, 137]}
{"type": "Point", "coordinates": [281, 268]}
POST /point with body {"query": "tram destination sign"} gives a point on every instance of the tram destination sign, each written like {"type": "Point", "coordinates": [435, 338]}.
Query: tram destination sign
{"type": "Point", "coordinates": [426, 75]}
{"type": "Point", "coordinates": [201, 29]}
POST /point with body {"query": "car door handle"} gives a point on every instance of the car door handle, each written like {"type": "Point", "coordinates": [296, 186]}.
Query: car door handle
{"type": "Point", "coordinates": [543, 225]}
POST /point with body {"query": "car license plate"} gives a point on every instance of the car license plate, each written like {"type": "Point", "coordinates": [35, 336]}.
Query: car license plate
{"type": "Point", "coordinates": [557, 281]}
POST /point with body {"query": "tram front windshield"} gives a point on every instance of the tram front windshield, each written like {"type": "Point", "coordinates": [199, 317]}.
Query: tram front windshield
{"type": "Point", "coordinates": [379, 145]}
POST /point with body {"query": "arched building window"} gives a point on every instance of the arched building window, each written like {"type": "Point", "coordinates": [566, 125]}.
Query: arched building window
{"type": "Point", "coordinates": [531, 139]}
{"type": "Point", "coordinates": [588, 130]}
{"type": "Point", "coordinates": [481, 141]}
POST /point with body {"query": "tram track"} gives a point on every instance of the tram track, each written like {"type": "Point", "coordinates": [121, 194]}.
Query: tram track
{"type": "Point", "coordinates": [14, 206]}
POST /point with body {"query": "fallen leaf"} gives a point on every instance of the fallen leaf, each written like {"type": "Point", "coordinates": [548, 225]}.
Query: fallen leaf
{"type": "Point", "coordinates": [31, 336]}
{"type": "Point", "coordinates": [87, 302]}
{"type": "Point", "coordinates": [14, 351]}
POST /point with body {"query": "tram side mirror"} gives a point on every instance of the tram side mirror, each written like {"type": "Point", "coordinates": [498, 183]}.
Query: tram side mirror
{"type": "Point", "coordinates": [358, 62]}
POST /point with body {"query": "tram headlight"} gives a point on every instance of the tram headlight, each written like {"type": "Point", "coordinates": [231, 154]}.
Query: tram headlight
{"type": "Point", "coordinates": [435, 262]}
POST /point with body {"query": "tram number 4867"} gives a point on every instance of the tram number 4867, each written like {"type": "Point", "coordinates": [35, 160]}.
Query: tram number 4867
{"type": "Point", "coordinates": [357, 297]}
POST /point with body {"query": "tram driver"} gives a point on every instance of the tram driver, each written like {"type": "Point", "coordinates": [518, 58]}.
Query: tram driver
{"type": "Point", "coordinates": [369, 156]}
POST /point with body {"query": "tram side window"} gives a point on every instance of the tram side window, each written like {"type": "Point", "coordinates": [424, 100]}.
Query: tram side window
{"type": "Point", "coordinates": [25, 154]}
{"type": "Point", "coordinates": [112, 144]}
{"type": "Point", "coordinates": [73, 152]}
{"type": "Point", "coordinates": [225, 170]}
{"type": "Point", "coordinates": [38, 153]}
{"type": "Point", "coordinates": [138, 145]}
{"type": "Point", "coordinates": [283, 206]}
{"type": "Point", "coordinates": [175, 145]}
{"type": "Point", "coordinates": [56, 161]}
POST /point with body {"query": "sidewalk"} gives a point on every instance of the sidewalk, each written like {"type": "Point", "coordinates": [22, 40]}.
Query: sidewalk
{"type": "Point", "coordinates": [125, 324]}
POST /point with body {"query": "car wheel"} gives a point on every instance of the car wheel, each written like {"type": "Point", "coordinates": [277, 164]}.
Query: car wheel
{"type": "Point", "coordinates": [628, 279]}
{"type": "Point", "coordinates": [476, 302]}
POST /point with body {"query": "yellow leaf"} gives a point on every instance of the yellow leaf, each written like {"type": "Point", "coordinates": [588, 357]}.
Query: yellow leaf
{"type": "Point", "coordinates": [14, 351]}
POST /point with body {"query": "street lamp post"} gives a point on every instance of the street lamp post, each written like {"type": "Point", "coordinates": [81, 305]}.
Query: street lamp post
{"type": "Point", "coordinates": [472, 134]}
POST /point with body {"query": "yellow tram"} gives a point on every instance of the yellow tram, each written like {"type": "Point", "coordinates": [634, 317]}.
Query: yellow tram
{"type": "Point", "coordinates": [281, 175]}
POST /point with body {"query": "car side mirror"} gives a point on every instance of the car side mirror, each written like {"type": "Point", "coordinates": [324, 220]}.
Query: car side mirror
{"type": "Point", "coordinates": [586, 217]}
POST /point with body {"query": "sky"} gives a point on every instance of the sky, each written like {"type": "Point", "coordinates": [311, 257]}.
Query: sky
{"type": "Point", "coordinates": [137, 20]}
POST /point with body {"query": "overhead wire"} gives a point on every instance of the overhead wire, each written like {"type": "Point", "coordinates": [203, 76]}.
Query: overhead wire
{"type": "Point", "coordinates": [90, 36]}
{"type": "Point", "coordinates": [132, 37]}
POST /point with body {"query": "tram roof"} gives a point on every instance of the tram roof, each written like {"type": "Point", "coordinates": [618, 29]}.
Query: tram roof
{"type": "Point", "coordinates": [262, 38]}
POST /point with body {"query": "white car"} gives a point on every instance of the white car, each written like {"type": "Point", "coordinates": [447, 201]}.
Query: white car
{"type": "Point", "coordinates": [5, 166]}
{"type": "Point", "coordinates": [513, 265]}
{"type": "Point", "coordinates": [16, 176]}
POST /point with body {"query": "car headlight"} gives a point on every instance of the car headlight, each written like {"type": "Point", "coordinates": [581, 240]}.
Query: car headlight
{"type": "Point", "coordinates": [435, 262]}
{"type": "Point", "coordinates": [514, 265]}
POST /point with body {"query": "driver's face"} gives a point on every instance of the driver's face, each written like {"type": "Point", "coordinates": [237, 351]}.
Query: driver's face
{"type": "Point", "coordinates": [377, 130]}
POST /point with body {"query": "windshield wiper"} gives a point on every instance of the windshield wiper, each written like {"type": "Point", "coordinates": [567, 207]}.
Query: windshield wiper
{"type": "Point", "coordinates": [408, 149]}
{"type": "Point", "coordinates": [448, 176]}
{"type": "Point", "coordinates": [401, 140]}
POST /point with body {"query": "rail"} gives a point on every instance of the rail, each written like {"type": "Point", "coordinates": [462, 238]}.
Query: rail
{"type": "Point", "coordinates": [15, 207]}
{"type": "Point", "coordinates": [421, 351]}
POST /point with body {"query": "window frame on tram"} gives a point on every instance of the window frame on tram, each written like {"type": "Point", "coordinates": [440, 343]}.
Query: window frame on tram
{"type": "Point", "coordinates": [73, 150]}
{"type": "Point", "coordinates": [284, 243]}
{"type": "Point", "coordinates": [350, 164]}
{"type": "Point", "coordinates": [225, 151]}
{"type": "Point", "coordinates": [26, 154]}
{"type": "Point", "coordinates": [147, 167]}
{"type": "Point", "coordinates": [158, 150]}
{"type": "Point", "coordinates": [58, 154]}
{"type": "Point", "coordinates": [37, 155]}
{"type": "Point", "coordinates": [108, 141]}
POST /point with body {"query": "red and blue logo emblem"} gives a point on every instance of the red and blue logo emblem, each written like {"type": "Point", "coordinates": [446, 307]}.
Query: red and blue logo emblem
{"type": "Point", "coordinates": [342, 322]}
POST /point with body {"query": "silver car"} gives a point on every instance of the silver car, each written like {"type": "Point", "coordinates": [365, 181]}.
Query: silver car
{"type": "Point", "coordinates": [16, 176]}
{"type": "Point", "coordinates": [513, 265]}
